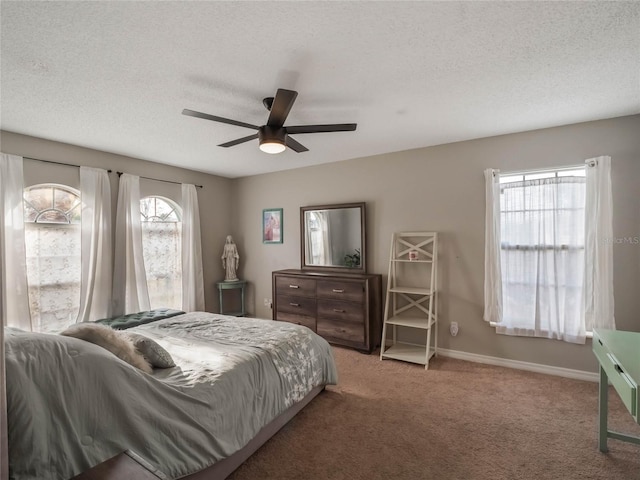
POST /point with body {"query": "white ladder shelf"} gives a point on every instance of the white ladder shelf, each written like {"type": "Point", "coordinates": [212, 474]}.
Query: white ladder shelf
{"type": "Point", "coordinates": [412, 301]}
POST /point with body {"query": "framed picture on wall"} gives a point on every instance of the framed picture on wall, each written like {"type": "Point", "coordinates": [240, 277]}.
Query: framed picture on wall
{"type": "Point", "coordinates": [272, 225]}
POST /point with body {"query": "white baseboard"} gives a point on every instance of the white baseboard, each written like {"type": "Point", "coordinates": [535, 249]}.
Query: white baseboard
{"type": "Point", "coordinates": [531, 367]}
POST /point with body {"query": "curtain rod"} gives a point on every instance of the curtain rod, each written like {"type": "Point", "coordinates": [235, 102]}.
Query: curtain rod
{"type": "Point", "coordinates": [160, 180]}
{"type": "Point", "coordinates": [543, 170]}
{"type": "Point", "coordinates": [108, 171]}
{"type": "Point", "coordinates": [57, 163]}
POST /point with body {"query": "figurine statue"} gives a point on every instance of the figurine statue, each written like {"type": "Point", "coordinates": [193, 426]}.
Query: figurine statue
{"type": "Point", "coordinates": [230, 260]}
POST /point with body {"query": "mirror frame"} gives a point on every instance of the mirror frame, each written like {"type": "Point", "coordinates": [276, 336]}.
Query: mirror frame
{"type": "Point", "coordinates": [363, 240]}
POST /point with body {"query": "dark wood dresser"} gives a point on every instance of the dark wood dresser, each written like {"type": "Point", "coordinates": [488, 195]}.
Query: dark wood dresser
{"type": "Point", "coordinates": [344, 308]}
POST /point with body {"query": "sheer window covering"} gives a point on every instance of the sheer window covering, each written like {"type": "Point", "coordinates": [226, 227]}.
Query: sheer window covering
{"type": "Point", "coordinates": [542, 271]}
{"type": "Point", "coordinates": [162, 247]}
{"type": "Point", "coordinates": [52, 215]}
{"type": "Point", "coordinates": [53, 274]}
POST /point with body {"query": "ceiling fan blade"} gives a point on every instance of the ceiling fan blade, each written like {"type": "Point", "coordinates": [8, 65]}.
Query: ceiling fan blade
{"type": "Point", "coordinates": [282, 103]}
{"type": "Point", "coordinates": [239, 141]}
{"type": "Point", "coordinates": [295, 146]}
{"type": "Point", "coordinates": [206, 116]}
{"type": "Point", "coordinates": [338, 127]}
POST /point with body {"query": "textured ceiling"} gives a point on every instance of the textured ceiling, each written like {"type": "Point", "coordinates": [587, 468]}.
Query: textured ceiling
{"type": "Point", "coordinates": [115, 76]}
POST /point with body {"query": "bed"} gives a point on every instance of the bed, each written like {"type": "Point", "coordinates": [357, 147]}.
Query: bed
{"type": "Point", "coordinates": [73, 405]}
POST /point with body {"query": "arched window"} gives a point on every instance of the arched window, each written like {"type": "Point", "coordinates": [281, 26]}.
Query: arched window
{"type": "Point", "coordinates": [52, 240]}
{"type": "Point", "coordinates": [161, 247]}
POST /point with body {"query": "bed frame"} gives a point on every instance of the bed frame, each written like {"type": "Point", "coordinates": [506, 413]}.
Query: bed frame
{"type": "Point", "coordinates": [130, 465]}
{"type": "Point", "coordinates": [222, 469]}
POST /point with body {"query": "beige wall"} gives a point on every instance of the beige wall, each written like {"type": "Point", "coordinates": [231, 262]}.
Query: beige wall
{"type": "Point", "coordinates": [213, 199]}
{"type": "Point", "coordinates": [438, 188]}
{"type": "Point", "coordinates": [442, 188]}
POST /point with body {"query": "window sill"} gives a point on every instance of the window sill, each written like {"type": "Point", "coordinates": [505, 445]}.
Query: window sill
{"type": "Point", "coordinates": [588, 334]}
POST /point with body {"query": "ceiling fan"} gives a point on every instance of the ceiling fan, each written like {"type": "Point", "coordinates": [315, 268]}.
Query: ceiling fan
{"type": "Point", "coordinates": [274, 136]}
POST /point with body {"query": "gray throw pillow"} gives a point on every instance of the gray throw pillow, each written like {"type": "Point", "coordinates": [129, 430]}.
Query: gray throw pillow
{"type": "Point", "coordinates": [154, 353]}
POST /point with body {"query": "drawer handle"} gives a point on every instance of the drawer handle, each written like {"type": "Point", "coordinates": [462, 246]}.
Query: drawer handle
{"type": "Point", "coordinates": [618, 369]}
{"type": "Point", "coordinates": [338, 290]}
{"type": "Point", "coordinates": [337, 310]}
{"type": "Point", "coordinates": [294, 304]}
{"type": "Point", "coordinates": [294, 286]}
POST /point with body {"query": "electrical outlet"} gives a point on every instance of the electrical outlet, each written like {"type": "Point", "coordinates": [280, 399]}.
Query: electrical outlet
{"type": "Point", "coordinates": [268, 302]}
{"type": "Point", "coordinates": [453, 328]}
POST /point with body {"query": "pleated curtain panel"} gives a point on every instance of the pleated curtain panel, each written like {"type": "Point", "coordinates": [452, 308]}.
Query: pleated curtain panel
{"type": "Point", "coordinates": [598, 280]}
{"type": "Point", "coordinates": [96, 245]}
{"type": "Point", "coordinates": [14, 296]}
{"type": "Point", "coordinates": [15, 293]}
{"type": "Point", "coordinates": [130, 294]}
{"type": "Point", "coordinates": [192, 276]}
{"type": "Point", "coordinates": [492, 263]}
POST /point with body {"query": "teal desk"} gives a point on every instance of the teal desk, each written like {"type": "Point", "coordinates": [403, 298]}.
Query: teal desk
{"type": "Point", "coordinates": [619, 356]}
{"type": "Point", "coordinates": [237, 285]}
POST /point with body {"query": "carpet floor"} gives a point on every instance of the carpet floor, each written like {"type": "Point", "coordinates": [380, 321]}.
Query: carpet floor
{"type": "Point", "coordinates": [456, 421]}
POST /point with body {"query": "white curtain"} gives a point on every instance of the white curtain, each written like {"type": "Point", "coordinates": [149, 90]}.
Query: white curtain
{"type": "Point", "coordinates": [15, 294]}
{"type": "Point", "coordinates": [492, 265]}
{"type": "Point", "coordinates": [598, 282]}
{"type": "Point", "coordinates": [538, 228]}
{"type": "Point", "coordinates": [130, 294]}
{"type": "Point", "coordinates": [96, 250]}
{"type": "Point", "coordinates": [192, 278]}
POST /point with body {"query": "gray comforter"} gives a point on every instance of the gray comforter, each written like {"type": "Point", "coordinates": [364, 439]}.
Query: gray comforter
{"type": "Point", "coordinates": [72, 404]}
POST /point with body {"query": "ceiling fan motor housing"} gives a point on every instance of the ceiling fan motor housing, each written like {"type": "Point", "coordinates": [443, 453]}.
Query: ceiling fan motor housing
{"type": "Point", "coordinates": [267, 134]}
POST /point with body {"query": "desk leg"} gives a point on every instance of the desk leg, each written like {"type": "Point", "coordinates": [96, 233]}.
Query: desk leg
{"type": "Point", "coordinates": [603, 410]}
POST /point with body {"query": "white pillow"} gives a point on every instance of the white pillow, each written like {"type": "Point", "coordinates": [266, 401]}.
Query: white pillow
{"type": "Point", "coordinates": [114, 341]}
{"type": "Point", "coordinates": [152, 351]}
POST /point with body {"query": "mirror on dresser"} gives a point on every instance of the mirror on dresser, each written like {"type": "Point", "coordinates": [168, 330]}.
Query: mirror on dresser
{"type": "Point", "coordinates": [332, 237]}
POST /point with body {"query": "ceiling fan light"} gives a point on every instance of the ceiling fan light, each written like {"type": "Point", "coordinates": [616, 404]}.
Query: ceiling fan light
{"type": "Point", "coordinates": [272, 140]}
{"type": "Point", "coordinates": [272, 146]}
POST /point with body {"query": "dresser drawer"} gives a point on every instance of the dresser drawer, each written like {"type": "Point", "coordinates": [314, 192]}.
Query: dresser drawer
{"type": "Point", "coordinates": [291, 285]}
{"type": "Point", "coordinates": [309, 322]}
{"type": "Point", "coordinates": [337, 290]}
{"type": "Point", "coordinates": [623, 383]}
{"type": "Point", "coordinates": [296, 305]}
{"type": "Point", "coordinates": [340, 311]}
{"type": "Point", "coordinates": [340, 331]}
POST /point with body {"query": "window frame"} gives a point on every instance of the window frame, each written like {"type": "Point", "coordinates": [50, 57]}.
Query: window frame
{"type": "Point", "coordinates": [534, 174]}
{"type": "Point", "coordinates": [73, 217]}
{"type": "Point", "coordinates": [176, 213]}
